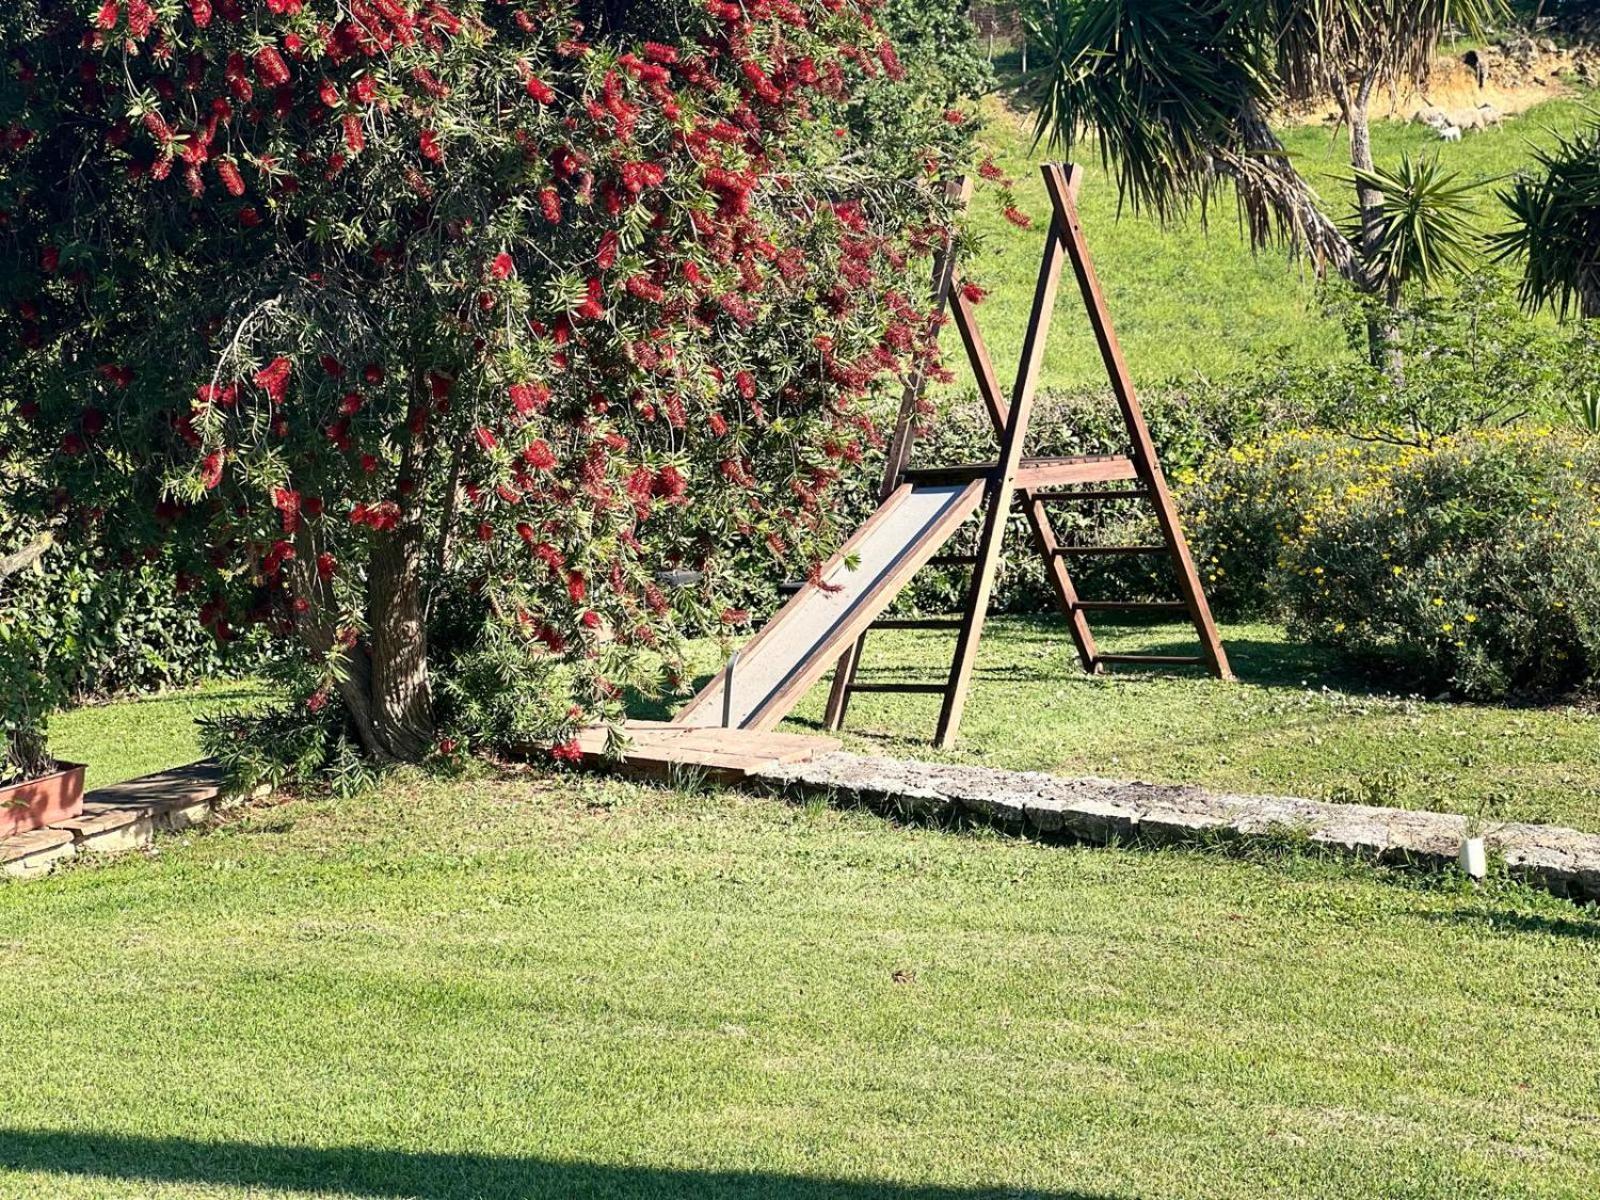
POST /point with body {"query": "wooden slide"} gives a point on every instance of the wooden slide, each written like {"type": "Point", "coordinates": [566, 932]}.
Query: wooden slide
{"type": "Point", "coordinates": [807, 635]}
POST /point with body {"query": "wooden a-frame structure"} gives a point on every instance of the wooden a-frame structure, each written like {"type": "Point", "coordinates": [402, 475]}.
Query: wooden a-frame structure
{"type": "Point", "coordinates": [1035, 485]}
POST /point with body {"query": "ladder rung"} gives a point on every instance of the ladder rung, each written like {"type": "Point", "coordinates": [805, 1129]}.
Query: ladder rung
{"type": "Point", "coordinates": [953, 560]}
{"type": "Point", "coordinates": [918, 623]}
{"type": "Point", "coordinates": [1111, 550]}
{"type": "Point", "coordinates": [1093, 494]}
{"type": "Point", "coordinates": [927, 688]}
{"type": "Point", "coordinates": [1175, 660]}
{"type": "Point", "coordinates": [1133, 606]}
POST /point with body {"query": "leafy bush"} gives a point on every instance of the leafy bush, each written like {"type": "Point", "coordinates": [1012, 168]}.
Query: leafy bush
{"type": "Point", "coordinates": [28, 692]}
{"type": "Point", "coordinates": [1470, 358]}
{"type": "Point", "coordinates": [1247, 507]}
{"type": "Point", "coordinates": [1471, 565]}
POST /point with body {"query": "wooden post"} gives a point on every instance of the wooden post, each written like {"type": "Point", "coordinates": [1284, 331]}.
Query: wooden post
{"type": "Point", "coordinates": [1062, 185]}
{"type": "Point", "coordinates": [1003, 482]}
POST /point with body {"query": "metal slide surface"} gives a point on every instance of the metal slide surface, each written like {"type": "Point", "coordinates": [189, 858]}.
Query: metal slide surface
{"type": "Point", "coordinates": [805, 637]}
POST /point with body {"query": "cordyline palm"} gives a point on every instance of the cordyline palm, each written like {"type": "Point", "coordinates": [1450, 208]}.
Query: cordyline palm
{"type": "Point", "coordinates": [1555, 227]}
{"type": "Point", "coordinates": [1179, 92]}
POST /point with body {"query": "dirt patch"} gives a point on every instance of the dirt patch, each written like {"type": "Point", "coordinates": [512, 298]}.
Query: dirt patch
{"type": "Point", "coordinates": [1477, 88]}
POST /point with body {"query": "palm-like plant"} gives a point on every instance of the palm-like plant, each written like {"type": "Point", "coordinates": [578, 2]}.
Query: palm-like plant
{"type": "Point", "coordinates": [1555, 226]}
{"type": "Point", "coordinates": [1178, 92]}
{"type": "Point", "coordinates": [1421, 230]}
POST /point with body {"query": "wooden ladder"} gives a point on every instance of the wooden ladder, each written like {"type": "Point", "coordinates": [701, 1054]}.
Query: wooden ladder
{"type": "Point", "coordinates": [1018, 482]}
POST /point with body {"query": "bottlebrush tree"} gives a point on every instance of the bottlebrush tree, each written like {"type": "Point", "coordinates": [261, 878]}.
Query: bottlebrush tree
{"type": "Point", "coordinates": [428, 335]}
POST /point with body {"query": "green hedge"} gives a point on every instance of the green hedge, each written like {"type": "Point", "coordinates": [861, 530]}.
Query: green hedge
{"type": "Point", "coordinates": [1471, 565]}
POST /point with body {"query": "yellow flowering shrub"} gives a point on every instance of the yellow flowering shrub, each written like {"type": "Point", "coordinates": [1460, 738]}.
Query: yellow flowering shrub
{"type": "Point", "coordinates": [1471, 565]}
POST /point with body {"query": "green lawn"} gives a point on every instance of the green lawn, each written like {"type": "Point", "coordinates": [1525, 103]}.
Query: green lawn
{"type": "Point", "coordinates": [574, 988]}
{"type": "Point", "coordinates": [1292, 724]}
{"type": "Point", "coordinates": [142, 735]}
{"type": "Point", "coordinates": [1187, 298]}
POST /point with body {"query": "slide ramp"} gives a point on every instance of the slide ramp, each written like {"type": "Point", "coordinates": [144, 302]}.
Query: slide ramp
{"type": "Point", "coordinates": [806, 636]}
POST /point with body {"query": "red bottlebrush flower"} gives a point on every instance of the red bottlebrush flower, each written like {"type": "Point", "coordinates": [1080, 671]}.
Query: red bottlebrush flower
{"type": "Point", "coordinates": [50, 260]}
{"type": "Point", "coordinates": [539, 90]}
{"type": "Point", "coordinates": [577, 586]}
{"type": "Point", "coordinates": [318, 700]}
{"type": "Point", "coordinates": [671, 486]}
{"type": "Point", "coordinates": [1017, 217]}
{"type": "Point", "coordinates": [271, 70]}
{"type": "Point", "coordinates": [249, 217]}
{"type": "Point", "coordinates": [567, 752]}
{"type": "Point", "coordinates": [539, 456]}
{"type": "Point", "coordinates": [312, 506]}
{"type": "Point", "coordinates": [326, 566]}
{"type": "Point", "coordinates": [429, 146]}
{"type": "Point", "coordinates": [746, 383]}
{"type": "Point", "coordinates": [110, 13]}
{"type": "Point", "coordinates": [369, 463]}
{"type": "Point", "coordinates": [606, 256]}
{"type": "Point", "coordinates": [328, 93]}
{"type": "Point", "coordinates": [891, 62]}
{"type": "Point", "coordinates": [355, 135]}
{"type": "Point", "coordinates": [502, 267]}
{"type": "Point", "coordinates": [590, 619]}
{"type": "Point", "coordinates": [331, 366]}
{"type": "Point", "coordinates": [273, 379]}
{"type": "Point", "coordinates": [285, 500]}
{"type": "Point", "coordinates": [212, 393]}
{"type": "Point", "coordinates": [116, 374]}
{"type": "Point", "coordinates": [972, 293]}
{"type": "Point", "coordinates": [486, 438]}
{"type": "Point", "coordinates": [485, 531]}
{"type": "Point", "coordinates": [372, 373]}
{"type": "Point", "coordinates": [645, 288]}
{"type": "Point", "coordinates": [200, 12]}
{"type": "Point", "coordinates": [550, 205]}
{"type": "Point", "coordinates": [718, 425]}
{"type": "Point", "coordinates": [657, 53]}
{"type": "Point", "coordinates": [211, 470]}
{"type": "Point", "coordinates": [351, 404]}
{"type": "Point", "coordinates": [529, 398]}
{"type": "Point", "coordinates": [365, 90]}
{"type": "Point", "coordinates": [954, 116]}
{"type": "Point", "coordinates": [232, 181]}
{"type": "Point", "coordinates": [72, 445]}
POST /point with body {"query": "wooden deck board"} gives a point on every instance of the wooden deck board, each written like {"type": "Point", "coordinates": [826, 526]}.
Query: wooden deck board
{"type": "Point", "coordinates": [655, 750]}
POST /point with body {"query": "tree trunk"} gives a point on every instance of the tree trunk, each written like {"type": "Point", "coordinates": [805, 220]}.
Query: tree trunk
{"type": "Point", "coordinates": [1382, 330]}
{"type": "Point", "coordinates": [384, 684]}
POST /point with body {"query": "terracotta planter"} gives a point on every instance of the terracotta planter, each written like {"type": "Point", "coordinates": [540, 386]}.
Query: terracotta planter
{"type": "Point", "coordinates": [43, 801]}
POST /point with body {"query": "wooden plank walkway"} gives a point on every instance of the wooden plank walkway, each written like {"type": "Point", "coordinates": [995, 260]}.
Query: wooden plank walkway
{"type": "Point", "coordinates": [660, 750]}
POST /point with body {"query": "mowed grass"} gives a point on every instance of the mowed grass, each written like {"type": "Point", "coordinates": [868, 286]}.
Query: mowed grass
{"type": "Point", "coordinates": [1190, 297]}
{"type": "Point", "coordinates": [576, 988]}
{"type": "Point", "coordinates": [144, 734]}
{"type": "Point", "coordinates": [1293, 723]}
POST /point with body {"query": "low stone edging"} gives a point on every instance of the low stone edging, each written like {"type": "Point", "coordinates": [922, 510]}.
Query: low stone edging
{"type": "Point", "coordinates": [1564, 861]}
{"type": "Point", "coordinates": [119, 818]}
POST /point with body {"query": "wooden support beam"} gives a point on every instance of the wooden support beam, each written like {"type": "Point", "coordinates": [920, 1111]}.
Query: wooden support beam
{"type": "Point", "coordinates": [1004, 482]}
{"type": "Point", "coordinates": [1062, 184]}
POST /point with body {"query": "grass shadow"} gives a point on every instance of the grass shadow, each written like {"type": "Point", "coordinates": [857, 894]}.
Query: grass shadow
{"type": "Point", "coordinates": [377, 1173]}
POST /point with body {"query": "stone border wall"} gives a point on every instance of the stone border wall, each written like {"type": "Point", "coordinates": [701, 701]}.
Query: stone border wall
{"type": "Point", "coordinates": [1101, 811]}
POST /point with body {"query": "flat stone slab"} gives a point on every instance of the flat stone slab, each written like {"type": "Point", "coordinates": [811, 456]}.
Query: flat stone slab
{"type": "Point", "coordinates": [1102, 811]}
{"type": "Point", "coordinates": [35, 853]}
